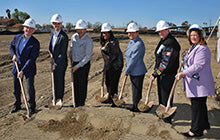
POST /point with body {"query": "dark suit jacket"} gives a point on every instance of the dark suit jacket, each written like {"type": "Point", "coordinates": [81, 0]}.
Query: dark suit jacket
{"type": "Point", "coordinates": [27, 59]}
{"type": "Point", "coordinates": [60, 49]}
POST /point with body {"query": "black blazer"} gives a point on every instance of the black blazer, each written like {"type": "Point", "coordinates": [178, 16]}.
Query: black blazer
{"type": "Point", "coordinates": [60, 50]}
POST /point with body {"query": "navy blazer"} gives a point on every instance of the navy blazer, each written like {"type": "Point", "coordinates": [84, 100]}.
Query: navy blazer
{"type": "Point", "coordinates": [27, 58]}
{"type": "Point", "coordinates": [60, 50]}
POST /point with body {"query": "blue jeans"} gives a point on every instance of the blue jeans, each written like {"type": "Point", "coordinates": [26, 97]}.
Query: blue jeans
{"type": "Point", "coordinates": [30, 90]}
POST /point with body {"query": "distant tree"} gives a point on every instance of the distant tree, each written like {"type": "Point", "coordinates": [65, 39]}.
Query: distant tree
{"type": "Point", "coordinates": [38, 26]}
{"type": "Point", "coordinates": [69, 26]}
{"type": "Point", "coordinates": [205, 25]}
{"type": "Point", "coordinates": [186, 24]}
{"type": "Point", "coordinates": [8, 13]}
{"type": "Point", "coordinates": [89, 25]}
{"type": "Point", "coordinates": [47, 27]}
{"type": "Point", "coordinates": [97, 26]}
{"type": "Point", "coordinates": [172, 24]}
{"type": "Point", "coordinates": [19, 16]}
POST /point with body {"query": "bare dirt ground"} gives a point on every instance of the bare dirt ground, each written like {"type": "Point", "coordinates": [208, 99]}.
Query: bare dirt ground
{"type": "Point", "coordinates": [95, 120]}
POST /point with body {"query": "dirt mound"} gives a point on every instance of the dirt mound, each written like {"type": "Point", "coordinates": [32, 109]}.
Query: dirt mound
{"type": "Point", "coordinates": [76, 125]}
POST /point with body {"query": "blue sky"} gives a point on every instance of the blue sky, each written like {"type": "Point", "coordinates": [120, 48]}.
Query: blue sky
{"type": "Point", "coordinates": [118, 12]}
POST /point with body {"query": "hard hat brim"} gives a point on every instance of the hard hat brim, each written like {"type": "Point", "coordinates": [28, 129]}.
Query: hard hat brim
{"type": "Point", "coordinates": [189, 30]}
{"type": "Point", "coordinates": [162, 29]}
{"type": "Point", "coordinates": [25, 25]}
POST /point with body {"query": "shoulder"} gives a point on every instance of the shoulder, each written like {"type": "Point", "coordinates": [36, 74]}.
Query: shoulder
{"type": "Point", "coordinates": [88, 37]}
{"type": "Point", "coordinates": [18, 35]}
{"type": "Point", "coordinates": [114, 41]}
{"type": "Point", "coordinates": [63, 34]}
{"type": "Point", "coordinates": [171, 42]}
{"type": "Point", "coordinates": [34, 40]}
{"type": "Point", "coordinates": [202, 48]}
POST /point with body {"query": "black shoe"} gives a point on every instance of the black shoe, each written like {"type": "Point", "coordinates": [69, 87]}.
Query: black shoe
{"type": "Point", "coordinates": [107, 101]}
{"type": "Point", "coordinates": [15, 109]}
{"type": "Point", "coordinates": [195, 135]}
{"type": "Point", "coordinates": [133, 109]}
{"type": "Point", "coordinates": [32, 111]}
{"type": "Point", "coordinates": [113, 105]}
{"type": "Point", "coordinates": [167, 120]}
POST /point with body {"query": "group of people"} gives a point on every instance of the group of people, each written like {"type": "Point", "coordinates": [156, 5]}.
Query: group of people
{"type": "Point", "coordinates": [196, 70]}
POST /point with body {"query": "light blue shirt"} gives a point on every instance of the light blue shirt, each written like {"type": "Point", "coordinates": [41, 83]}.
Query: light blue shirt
{"type": "Point", "coordinates": [54, 40]}
{"type": "Point", "coordinates": [134, 58]}
{"type": "Point", "coordinates": [81, 49]}
{"type": "Point", "coordinates": [22, 43]}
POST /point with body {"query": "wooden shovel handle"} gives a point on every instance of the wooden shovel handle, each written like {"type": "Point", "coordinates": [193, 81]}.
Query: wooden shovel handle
{"type": "Point", "coordinates": [102, 85]}
{"type": "Point", "coordinates": [148, 91]}
{"type": "Point", "coordinates": [173, 87]}
{"type": "Point", "coordinates": [22, 90]}
{"type": "Point", "coordinates": [72, 84]}
{"type": "Point", "coordinates": [122, 88]}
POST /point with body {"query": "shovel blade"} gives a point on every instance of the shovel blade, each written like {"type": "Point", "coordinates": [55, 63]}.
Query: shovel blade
{"type": "Point", "coordinates": [143, 107]}
{"type": "Point", "coordinates": [99, 98]}
{"type": "Point", "coordinates": [118, 102]}
{"type": "Point", "coordinates": [163, 113]}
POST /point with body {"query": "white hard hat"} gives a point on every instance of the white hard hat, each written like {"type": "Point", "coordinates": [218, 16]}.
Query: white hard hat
{"type": "Point", "coordinates": [30, 23]}
{"type": "Point", "coordinates": [162, 25]}
{"type": "Point", "coordinates": [196, 27]}
{"type": "Point", "coordinates": [56, 18]}
{"type": "Point", "coordinates": [132, 27]}
{"type": "Point", "coordinates": [81, 24]}
{"type": "Point", "coordinates": [106, 27]}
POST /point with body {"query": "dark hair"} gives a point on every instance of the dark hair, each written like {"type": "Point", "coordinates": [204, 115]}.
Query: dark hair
{"type": "Point", "coordinates": [103, 41]}
{"type": "Point", "coordinates": [201, 38]}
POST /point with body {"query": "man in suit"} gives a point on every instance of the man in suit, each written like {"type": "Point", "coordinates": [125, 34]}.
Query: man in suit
{"type": "Point", "coordinates": [135, 66]}
{"type": "Point", "coordinates": [58, 49]}
{"type": "Point", "coordinates": [25, 50]}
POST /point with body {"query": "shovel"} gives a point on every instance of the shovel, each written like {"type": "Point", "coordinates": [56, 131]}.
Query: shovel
{"type": "Point", "coordinates": [147, 105]}
{"type": "Point", "coordinates": [72, 84]}
{"type": "Point", "coordinates": [101, 98]}
{"type": "Point", "coordinates": [52, 104]}
{"type": "Point", "coordinates": [164, 112]}
{"type": "Point", "coordinates": [119, 100]}
{"type": "Point", "coordinates": [25, 117]}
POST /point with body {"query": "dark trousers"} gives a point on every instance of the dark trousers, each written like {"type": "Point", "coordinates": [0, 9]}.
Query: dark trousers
{"type": "Point", "coordinates": [59, 81]}
{"type": "Point", "coordinates": [137, 84]}
{"type": "Point", "coordinates": [199, 115]}
{"type": "Point", "coordinates": [112, 80]}
{"type": "Point", "coordinates": [30, 90]}
{"type": "Point", "coordinates": [80, 84]}
{"type": "Point", "coordinates": [164, 86]}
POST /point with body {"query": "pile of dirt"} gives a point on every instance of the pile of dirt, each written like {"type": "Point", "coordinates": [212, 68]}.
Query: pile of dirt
{"type": "Point", "coordinates": [76, 125]}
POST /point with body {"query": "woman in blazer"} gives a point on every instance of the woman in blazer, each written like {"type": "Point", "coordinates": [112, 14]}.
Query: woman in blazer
{"type": "Point", "coordinates": [135, 66]}
{"type": "Point", "coordinates": [197, 79]}
{"type": "Point", "coordinates": [113, 61]}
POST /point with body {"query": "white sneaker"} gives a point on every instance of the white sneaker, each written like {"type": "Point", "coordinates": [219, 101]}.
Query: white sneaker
{"type": "Point", "coordinates": [59, 102]}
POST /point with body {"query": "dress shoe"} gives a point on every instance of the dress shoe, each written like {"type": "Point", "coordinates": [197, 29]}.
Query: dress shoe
{"type": "Point", "coordinates": [113, 105]}
{"type": "Point", "coordinates": [107, 101]}
{"type": "Point", "coordinates": [32, 111]}
{"type": "Point", "coordinates": [133, 109]}
{"type": "Point", "coordinates": [194, 135]}
{"type": "Point", "coordinates": [15, 109]}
